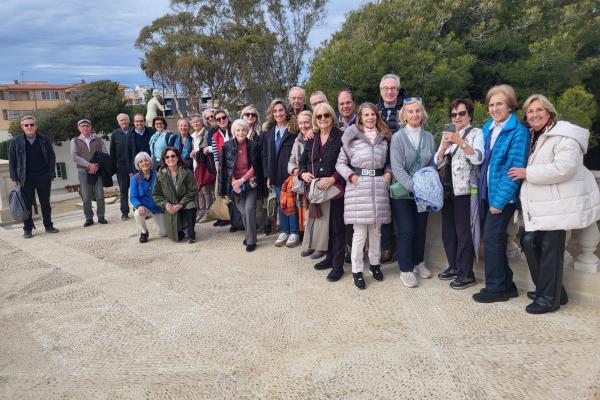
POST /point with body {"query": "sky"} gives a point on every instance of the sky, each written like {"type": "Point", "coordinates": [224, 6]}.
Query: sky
{"type": "Point", "coordinates": [68, 40]}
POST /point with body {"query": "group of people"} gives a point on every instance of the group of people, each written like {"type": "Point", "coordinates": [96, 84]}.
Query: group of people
{"type": "Point", "coordinates": [339, 184]}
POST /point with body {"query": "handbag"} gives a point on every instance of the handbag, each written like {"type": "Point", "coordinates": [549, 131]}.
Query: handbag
{"type": "Point", "coordinates": [219, 208]}
{"type": "Point", "coordinates": [397, 190]}
{"type": "Point", "coordinates": [203, 175]}
{"type": "Point", "coordinates": [17, 205]}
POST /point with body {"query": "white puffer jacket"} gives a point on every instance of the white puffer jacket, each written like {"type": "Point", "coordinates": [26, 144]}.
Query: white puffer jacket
{"type": "Point", "coordinates": [559, 193]}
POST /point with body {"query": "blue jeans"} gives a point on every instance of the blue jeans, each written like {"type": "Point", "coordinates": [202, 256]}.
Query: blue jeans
{"type": "Point", "coordinates": [287, 223]}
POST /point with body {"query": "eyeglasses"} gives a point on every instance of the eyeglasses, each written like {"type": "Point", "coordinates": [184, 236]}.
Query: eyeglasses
{"type": "Point", "coordinates": [28, 125]}
{"type": "Point", "coordinates": [322, 116]}
{"type": "Point", "coordinates": [458, 114]}
{"type": "Point", "coordinates": [253, 115]}
{"type": "Point", "coordinates": [389, 89]}
{"type": "Point", "coordinates": [409, 100]}
{"type": "Point", "coordinates": [221, 119]}
{"type": "Point", "coordinates": [168, 156]}
{"type": "Point", "coordinates": [158, 123]}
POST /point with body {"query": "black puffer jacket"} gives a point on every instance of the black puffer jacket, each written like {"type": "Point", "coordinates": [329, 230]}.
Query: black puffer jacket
{"type": "Point", "coordinates": [228, 160]}
{"type": "Point", "coordinates": [390, 115]}
{"type": "Point", "coordinates": [275, 163]}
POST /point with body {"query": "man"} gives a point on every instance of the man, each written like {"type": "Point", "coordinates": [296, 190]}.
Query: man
{"type": "Point", "coordinates": [297, 99]}
{"type": "Point", "coordinates": [347, 109]}
{"type": "Point", "coordinates": [83, 148]}
{"type": "Point", "coordinates": [390, 102]}
{"type": "Point", "coordinates": [31, 163]}
{"type": "Point", "coordinates": [120, 157]}
{"type": "Point", "coordinates": [138, 140]}
{"type": "Point", "coordinates": [317, 97]}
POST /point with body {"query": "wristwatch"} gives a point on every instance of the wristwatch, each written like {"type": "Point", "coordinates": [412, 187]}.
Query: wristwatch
{"type": "Point", "coordinates": [463, 145]}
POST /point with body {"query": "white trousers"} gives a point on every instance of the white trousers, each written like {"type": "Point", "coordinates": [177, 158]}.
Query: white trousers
{"type": "Point", "coordinates": [361, 231]}
{"type": "Point", "coordinates": [158, 220]}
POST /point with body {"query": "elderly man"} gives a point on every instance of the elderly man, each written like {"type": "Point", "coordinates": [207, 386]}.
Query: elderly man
{"type": "Point", "coordinates": [347, 109]}
{"type": "Point", "coordinates": [297, 99]}
{"type": "Point", "coordinates": [83, 148]}
{"type": "Point", "coordinates": [138, 140]}
{"type": "Point", "coordinates": [392, 97]}
{"type": "Point", "coordinates": [317, 97]}
{"type": "Point", "coordinates": [120, 157]}
{"type": "Point", "coordinates": [31, 162]}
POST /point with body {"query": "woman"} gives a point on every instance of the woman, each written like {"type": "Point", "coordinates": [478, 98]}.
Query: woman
{"type": "Point", "coordinates": [175, 192]}
{"type": "Point", "coordinates": [460, 153]}
{"type": "Point", "coordinates": [558, 194]}
{"type": "Point", "coordinates": [183, 142]}
{"type": "Point", "coordinates": [318, 161]}
{"type": "Point", "coordinates": [241, 166]}
{"type": "Point", "coordinates": [364, 164]}
{"type": "Point", "coordinates": [204, 179]}
{"type": "Point", "coordinates": [506, 143]}
{"type": "Point", "coordinates": [159, 140]}
{"type": "Point", "coordinates": [221, 134]}
{"type": "Point", "coordinates": [412, 148]}
{"type": "Point", "coordinates": [314, 246]}
{"type": "Point", "coordinates": [250, 115]}
{"type": "Point", "coordinates": [140, 195]}
{"type": "Point", "coordinates": [277, 143]}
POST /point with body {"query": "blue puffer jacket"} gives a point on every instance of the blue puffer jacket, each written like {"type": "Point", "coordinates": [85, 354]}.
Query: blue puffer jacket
{"type": "Point", "coordinates": [510, 150]}
{"type": "Point", "coordinates": [140, 192]}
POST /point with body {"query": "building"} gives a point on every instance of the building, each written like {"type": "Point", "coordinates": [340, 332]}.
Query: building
{"type": "Point", "coordinates": [137, 96]}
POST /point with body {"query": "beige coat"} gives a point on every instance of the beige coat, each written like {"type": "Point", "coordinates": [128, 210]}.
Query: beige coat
{"type": "Point", "coordinates": [559, 193]}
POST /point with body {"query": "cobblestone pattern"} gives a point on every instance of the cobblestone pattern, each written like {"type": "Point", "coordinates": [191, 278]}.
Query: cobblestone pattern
{"type": "Point", "coordinates": [92, 314]}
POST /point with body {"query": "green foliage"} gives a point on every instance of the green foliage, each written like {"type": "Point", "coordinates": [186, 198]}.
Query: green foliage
{"type": "Point", "coordinates": [578, 106]}
{"type": "Point", "coordinates": [4, 149]}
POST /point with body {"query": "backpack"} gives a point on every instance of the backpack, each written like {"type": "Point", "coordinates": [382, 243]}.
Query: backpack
{"type": "Point", "coordinates": [17, 205]}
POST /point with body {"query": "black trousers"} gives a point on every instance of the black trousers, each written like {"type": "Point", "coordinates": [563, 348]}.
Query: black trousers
{"type": "Point", "coordinates": [545, 253]}
{"type": "Point", "coordinates": [189, 216]}
{"type": "Point", "coordinates": [498, 275]}
{"type": "Point", "coordinates": [41, 185]}
{"type": "Point", "coordinates": [123, 180]}
{"type": "Point", "coordinates": [336, 246]}
{"type": "Point", "coordinates": [412, 229]}
{"type": "Point", "coordinates": [388, 239]}
{"type": "Point", "coordinates": [456, 234]}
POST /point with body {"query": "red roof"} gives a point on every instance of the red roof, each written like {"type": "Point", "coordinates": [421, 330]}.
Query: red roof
{"type": "Point", "coordinates": [44, 86]}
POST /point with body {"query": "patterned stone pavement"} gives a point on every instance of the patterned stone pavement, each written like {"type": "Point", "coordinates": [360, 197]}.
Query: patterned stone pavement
{"type": "Point", "coordinates": [92, 314]}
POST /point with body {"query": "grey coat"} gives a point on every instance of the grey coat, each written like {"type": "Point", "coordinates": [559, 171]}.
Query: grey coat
{"type": "Point", "coordinates": [403, 156]}
{"type": "Point", "coordinates": [367, 202]}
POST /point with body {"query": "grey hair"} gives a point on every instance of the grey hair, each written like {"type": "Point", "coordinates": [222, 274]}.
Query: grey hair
{"type": "Point", "coordinates": [195, 115]}
{"type": "Point", "coordinates": [123, 115]}
{"type": "Point", "coordinates": [240, 122]}
{"type": "Point", "coordinates": [318, 92]}
{"type": "Point", "coordinates": [139, 115]}
{"type": "Point", "coordinates": [390, 76]}
{"type": "Point", "coordinates": [141, 156]}
{"type": "Point", "coordinates": [209, 109]}
{"type": "Point", "coordinates": [26, 117]}
{"type": "Point", "coordinates": [297, 88]}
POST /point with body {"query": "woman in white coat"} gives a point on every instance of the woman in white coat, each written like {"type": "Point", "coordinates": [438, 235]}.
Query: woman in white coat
{"type": "Point", "coordinates": [558, 194]}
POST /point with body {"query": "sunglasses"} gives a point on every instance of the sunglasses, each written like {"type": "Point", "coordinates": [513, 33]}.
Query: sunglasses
{"type": "Point", "coordinates": [28, 125]}
{"type": "Point", "coordinates": [322, 116]}
{"type": "Point", "coordinates": [456, 114]}
{"type": "Point", "coordinates": [409, 100]}
{"type": "Point", "coordinates": [253, 115]}
{"type": "Point", "coordinates": [210, 117]}
{"type": "Point", "coordinates": [221, 119]}
{"type": "Point", "coordinates": [168, 156]}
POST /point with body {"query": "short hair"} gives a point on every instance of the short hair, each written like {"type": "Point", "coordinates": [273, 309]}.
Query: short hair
{"type": "Point", "coordinates": [141, 156]}
{"type": "Point", "coordinates": [380, 125]}
{"type": "Point", "coordinates": [297, 88]}
{"type": "Point", "coordinates": [208, 110]}
{"type": "Point", "coordinates": [26, 117]}
{"type": "Point", "coordinates": [327, 108]}
{"type": "Point", "coordinates": [161, 119]}
{"type": "Point", "coordinates": [390, 76]}
{"type": "Point", "coordinates": [403, 110]}
{"type": "Point", "coordinates": [318, 92]}
{"type": "Point", "coordinates": [195, 115]}
{"type": "Point", "coordinates": [139, 115]}
{"type": "Point", "coordinates": [123, 115]}
{"type": "Point", "coordinates": [346, 91]}
{"type": "Point", "coordinates": [468, 103]}
{"type": "Point", "coordinates": [180, 160]}
{"type": "Point", "coordinates": [545, 103]}
{"type": "Point", "coordinates": [241, 123]}
{"type": "Point", "coordinates": [221, 111]}
{"type": "Point", "coordinates": [507, 91]}
{"type": "Point", "coordinates": [183, 120]}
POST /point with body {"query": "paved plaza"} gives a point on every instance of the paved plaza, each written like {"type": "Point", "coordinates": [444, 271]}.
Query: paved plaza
{"type": "Point", "coordinates": [91, 314]}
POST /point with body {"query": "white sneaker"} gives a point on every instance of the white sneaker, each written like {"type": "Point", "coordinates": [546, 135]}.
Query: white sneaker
{"type": "Point", "coordinates": [281, 239]}
{"type": "Point", "coordinates": [293, 240]}
{"type": "Point", "coordinates": [423, 271]}
{"type": "Point", "coordinates": [409, 279]}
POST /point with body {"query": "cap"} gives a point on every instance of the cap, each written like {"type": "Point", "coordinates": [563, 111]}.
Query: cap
{"type": "Point", "coordinates": [84, 121]}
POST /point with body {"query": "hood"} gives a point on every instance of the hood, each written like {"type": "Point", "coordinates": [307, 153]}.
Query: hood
{"type": "Point", "coordinates": [401, 96]}
{"type": "Point", "coordinates": [567, 129]}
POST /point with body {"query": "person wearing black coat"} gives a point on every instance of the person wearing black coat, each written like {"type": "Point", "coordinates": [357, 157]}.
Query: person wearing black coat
{"type": "Point", "coordinates": [318, 161]}
{"type": "Point", "coordinates": [106, 171]}
{"type": "Point", "coordinates": [138, 141]}
{"type": "Point", "coordinates": [119, 153]}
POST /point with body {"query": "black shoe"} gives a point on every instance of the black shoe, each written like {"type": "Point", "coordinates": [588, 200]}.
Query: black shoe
{"type": "Point", "coordinates": [359, 280]}
{"type": "Point", "coordinates": [335, 274]}
{"type": "Point", "coordinates": [191, 240]}
{"type": "Point", "coordinates": [540, 306]}
{"type": "Point", "coordinates": [460, 284]}
{"type": "Point", "coordinates": [52, 230]}
{"type": "Point", "coordinates": [307, 252]}
{"type": "Point", "coordinates": [532, 295]}
{"type": "Point", "coordinates": [490, 297]}
{"type": "Point", "coordinates": [217, 223]}
{"type": "Point", "coordinates": [244, 242]}
{"type": "Point", "coordinates": [225, 223]}
{"type": "Point", "coordinates": [449, 274]}
{"type": "Point", "coordinates": [180, 236]}
{"type": "Point", "coordinates": [388, 256]}
{"type": "Point", "coordinates": [144, 237]}
{"type": "Point", "coordinates": [102, 221]}
{"type": "Point", "coordinates": [233, 229]}
{"type": "Point", "coordinates": [27, 234]}
{"type": "Point", "coordinates": [376, 271]}
{"type": "Point", "coordinates": [513, 292]}
{"type": "Point", "coordinates": [267, 230]}
{"type": "Point", "coordinates": [88, 222]}
{"type": "Point", "coordinates": [325, 264]}
{"type": "Point", "coordinates": [564, 298]}
{"type": "Point", "coordinates": [124, 217]}
{"type": "Point", "coordinates": [250, 247]}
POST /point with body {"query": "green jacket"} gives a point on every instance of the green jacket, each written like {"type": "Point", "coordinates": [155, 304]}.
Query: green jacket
{"type": "Point", "coordinates": [183, 192]}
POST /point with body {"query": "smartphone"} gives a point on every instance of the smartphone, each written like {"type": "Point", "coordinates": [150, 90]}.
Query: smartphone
{"type": "Point", "coordinates": [449, 128]}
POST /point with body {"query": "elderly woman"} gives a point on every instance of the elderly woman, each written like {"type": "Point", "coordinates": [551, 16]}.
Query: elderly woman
{"type": "Point", "coordinates": [204, 178]}
{"type": "Point", "coordinates": [277, 143]}
{"type": "Point", "coordinates": [364, 163]}
{"type": "Point", "coordinates": [241, 167]}
{"type": "Point", "coordinates": [412, 148]}
{"type": "Point", "coordinates": [318, 162]}
{"type": "Point", "coordinates": [140, 195]}
{"type": "Point", "coordinates": [175, 193]}
{"type": "Point", "coordinates": [460, 153]}
{"type": "Point", "coordinates": [183, 142]}
{"type": "Point", "coordinates": [558, 194]}
{"type": "Point", "coordinates": [506, 143]}
{"type": "Point", "coordinates": [159, 140]}
{"type": "Point", "coordinates": [250, 115]}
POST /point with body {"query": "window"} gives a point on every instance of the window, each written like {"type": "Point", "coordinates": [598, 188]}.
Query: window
{"type": "Point", "coordinates": [50, 95]}
{"type": "Point", "coordinates": [14, 115]}
{"type": "Point", "coordinates": [61, 170]}
{"type": "Point", "coordinates": [1, 94]}
{"type": "Point", "coordinates": [4, 115]}
{"type": "Point", "coordinates": [12, 96]}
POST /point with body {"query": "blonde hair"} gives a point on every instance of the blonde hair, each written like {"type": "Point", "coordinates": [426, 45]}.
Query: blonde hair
{"type": "Point", "coordinates": [402, 111]}
{"type": "Point", "coordinates": [327, 108]}
{"type": "Point", "coordinates": [545, 103]}
{"type": "Point", "coordinates": [507, 91]}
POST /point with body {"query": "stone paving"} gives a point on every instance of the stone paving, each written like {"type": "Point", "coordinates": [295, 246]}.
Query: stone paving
{"type": "Point", "coordinates": [91, 314]}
